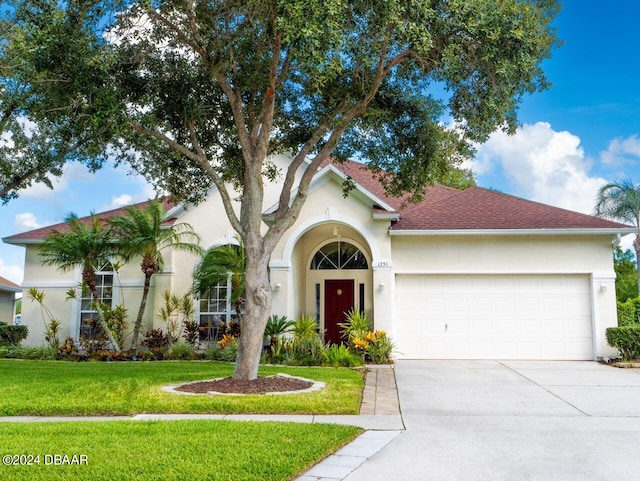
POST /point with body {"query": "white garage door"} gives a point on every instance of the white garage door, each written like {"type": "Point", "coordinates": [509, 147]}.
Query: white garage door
{"type": "Point", "coordinates": [493, 317]}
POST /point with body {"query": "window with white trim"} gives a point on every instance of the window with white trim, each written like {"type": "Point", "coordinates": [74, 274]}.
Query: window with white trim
{"type": "Point", "coordinates": [216, 308]}
{"type": "Point", "coordinates": [337, 256]}
{"type": "Point", "coordinates": [88, 313]}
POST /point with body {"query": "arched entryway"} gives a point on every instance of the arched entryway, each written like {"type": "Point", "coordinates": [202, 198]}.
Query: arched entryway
{"type": "Point", "coordinates": [345, 288]}
{"type": "Point", "coordinates": [332, 265]}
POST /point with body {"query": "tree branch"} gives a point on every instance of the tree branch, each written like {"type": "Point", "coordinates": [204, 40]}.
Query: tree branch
{"type": "Point", "coordinates": [199, 158]}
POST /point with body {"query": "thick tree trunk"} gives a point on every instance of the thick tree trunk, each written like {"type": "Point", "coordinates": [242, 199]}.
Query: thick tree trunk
{"type": "Point", "coordinates": [257, 312]}
{"type": "Point", "coordinates": [143, 305]}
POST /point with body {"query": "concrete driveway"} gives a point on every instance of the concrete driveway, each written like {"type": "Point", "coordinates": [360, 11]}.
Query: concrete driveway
{"type": "Point", "coordinates": [512, 420]}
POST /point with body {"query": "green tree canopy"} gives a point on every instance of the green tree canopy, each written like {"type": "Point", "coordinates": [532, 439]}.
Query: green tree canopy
{"type": "Point", "coordinates": [52, 100]}
{"type": "Point", "coordinates": [199, 94]}
{"type": "Point", "coordinates": [626, 270]}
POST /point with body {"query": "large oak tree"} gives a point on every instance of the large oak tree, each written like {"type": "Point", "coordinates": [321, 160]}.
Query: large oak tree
{"type": "Point", "coordinates": [199, 94]}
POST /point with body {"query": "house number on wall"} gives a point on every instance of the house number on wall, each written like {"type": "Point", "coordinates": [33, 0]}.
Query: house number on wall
{"type": "Point", "coordinates": [383, 264]}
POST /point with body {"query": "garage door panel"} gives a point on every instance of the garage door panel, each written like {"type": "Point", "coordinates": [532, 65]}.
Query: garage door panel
{"type": "Point", "coordinates": [494, 317]}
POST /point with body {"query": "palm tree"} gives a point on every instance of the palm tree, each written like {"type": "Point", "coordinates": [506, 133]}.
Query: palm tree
{"type": "Point", "coordinates": [142, 233]}
{"type": "Point", "coordinates": [621, 201]}
{"type": "Point", "coordinates": [86, 244]}
{"type": "Point", "coordinates": [218, 264]}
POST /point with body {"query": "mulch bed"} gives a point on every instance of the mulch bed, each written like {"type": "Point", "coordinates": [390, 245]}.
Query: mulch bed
{"type": "Point", "coordinates": [261, 385]}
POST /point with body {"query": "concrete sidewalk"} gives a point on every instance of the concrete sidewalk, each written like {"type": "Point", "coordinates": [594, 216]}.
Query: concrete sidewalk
{"type": "Point", "coordinates": [379, 414]}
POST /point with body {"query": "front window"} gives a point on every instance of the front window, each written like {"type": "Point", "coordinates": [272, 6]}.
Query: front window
{"type": "Point", "coordinates": [217, 310]}
{"type": "Point", "coordinates": [339, 255]}
{"type": "Point", "coordinates": [88, 315]}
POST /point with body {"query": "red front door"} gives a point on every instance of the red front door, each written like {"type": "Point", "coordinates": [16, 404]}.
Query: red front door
{"type": "Point", "coordinates": [338, 299]}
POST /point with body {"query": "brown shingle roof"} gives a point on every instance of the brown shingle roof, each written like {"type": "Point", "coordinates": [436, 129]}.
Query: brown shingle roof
{"type": "Point", "coordinates": [43, 232]}
{"type": "Point", "coordinates": [7, 285]}
{"type": "Point", "coordinates": [446, 208]}
{"type": "Point", "coordinates": [443, 208]}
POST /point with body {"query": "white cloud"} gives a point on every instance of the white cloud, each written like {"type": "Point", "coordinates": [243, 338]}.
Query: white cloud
{"type": "Point", "coordinates": [621, 151]}
{"type": "Point", "coordinates": [12, 272]}
{"type": "Point", "coordinates": [121, 200]}
{"type": "Point", "coordinates": [139, 191]}
{"type": "Point", "coordinates": [25, 221]}
{"type": "Point", "coordinates": [73, 172]}
{"type": "Point", "coordinates": [542, 165]}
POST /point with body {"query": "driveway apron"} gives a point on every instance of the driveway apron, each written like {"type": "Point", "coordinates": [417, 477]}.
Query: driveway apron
{"type": "Point", "coordinates": [512, 420]}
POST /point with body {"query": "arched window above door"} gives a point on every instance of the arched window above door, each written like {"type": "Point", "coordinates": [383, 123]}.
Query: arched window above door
{"type": "Point", "coordinates": [339, 255]}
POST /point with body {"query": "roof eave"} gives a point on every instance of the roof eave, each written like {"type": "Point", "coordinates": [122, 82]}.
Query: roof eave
{"type": "Point", "coordinates": [503, 232]}
{"type": "Point", "coordinates": [10, 289]}
{"type": "Point", "coordinates": [21, 242]}
{"type": "Point", "coordinates": [393, 216]}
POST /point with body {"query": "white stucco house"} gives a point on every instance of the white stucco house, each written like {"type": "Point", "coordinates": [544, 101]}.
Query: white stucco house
{"type": "Point", "coordinates": [472, 274]}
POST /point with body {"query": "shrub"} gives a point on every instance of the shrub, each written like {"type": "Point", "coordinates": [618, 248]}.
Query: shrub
{"type": "Point", "coordinates": [341, 356]}
{"type": "Point", "coordinates": [305, 328]}
{"type": "Point", "coordinates": [191, 332]}
{"type": "Point", "coordinates": [157, 341]}
{"type": "Point", "coordinates": [277, 326]}
{"type": "Point", "coordinates": [51, 334]}
{"type": "Point", "coordinates": [12, 335]}
{"type": "Point", "coordinates": [629, 312]}
{"type": "Point", "coordinates": [306, 346]}
{"type": "Point", "coordinates": [43, 352]}
{"type": "Point", "coordinates": [357, 325]}
{"type": "Point", "coordinates": [184, 351]}
{"type": "Point", "coordinates": [226, 352]}
{"type": "Point", "coordinates": [68, 348]}
{"type": "Point", "coordinates": [175, 313]}
{"type": "Point", "coordinates": [626, 339]}
{"type": "Point", "coordinates": [303, 350]}
{"type": "Point", "coordinates": [116, 321]}
{"type": "Point", "coordinates": [379, 348]}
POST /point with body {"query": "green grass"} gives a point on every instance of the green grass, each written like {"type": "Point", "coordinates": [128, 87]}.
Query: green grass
{"type": "Point", "coordinates": [128, 388]}
{"type": "Point", "coordinates": [170, 450]}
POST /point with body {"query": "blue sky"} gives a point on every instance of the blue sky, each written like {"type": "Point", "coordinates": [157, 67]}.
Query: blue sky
{"type": "Point", "coordinates": [583, 132]}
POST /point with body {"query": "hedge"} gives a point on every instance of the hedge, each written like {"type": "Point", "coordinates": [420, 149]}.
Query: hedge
{"type": "Point", "coordinates": [12, 335]}
{"type": "Point", "coordinates": [629, 312]}
{"type": "Point", "coordinates": [626, 339]}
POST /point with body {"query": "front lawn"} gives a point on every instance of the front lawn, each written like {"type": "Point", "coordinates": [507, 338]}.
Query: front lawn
{"type": "Point", "coordinates": [167, 450]}
{"type": "Point", "coordinates": [50, 388]}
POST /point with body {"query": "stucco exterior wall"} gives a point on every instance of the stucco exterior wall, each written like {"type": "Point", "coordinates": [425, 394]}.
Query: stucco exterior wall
{"type": "Point", "coordinates": [7, 300]}
{"type": "Point", "coordinates": [508, 254]}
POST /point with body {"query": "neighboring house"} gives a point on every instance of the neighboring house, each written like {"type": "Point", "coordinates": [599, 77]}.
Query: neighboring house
{"type": "Point", "coordinates": [473, 274]}
{"type": "Point", "coordinates": [8, 292]}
